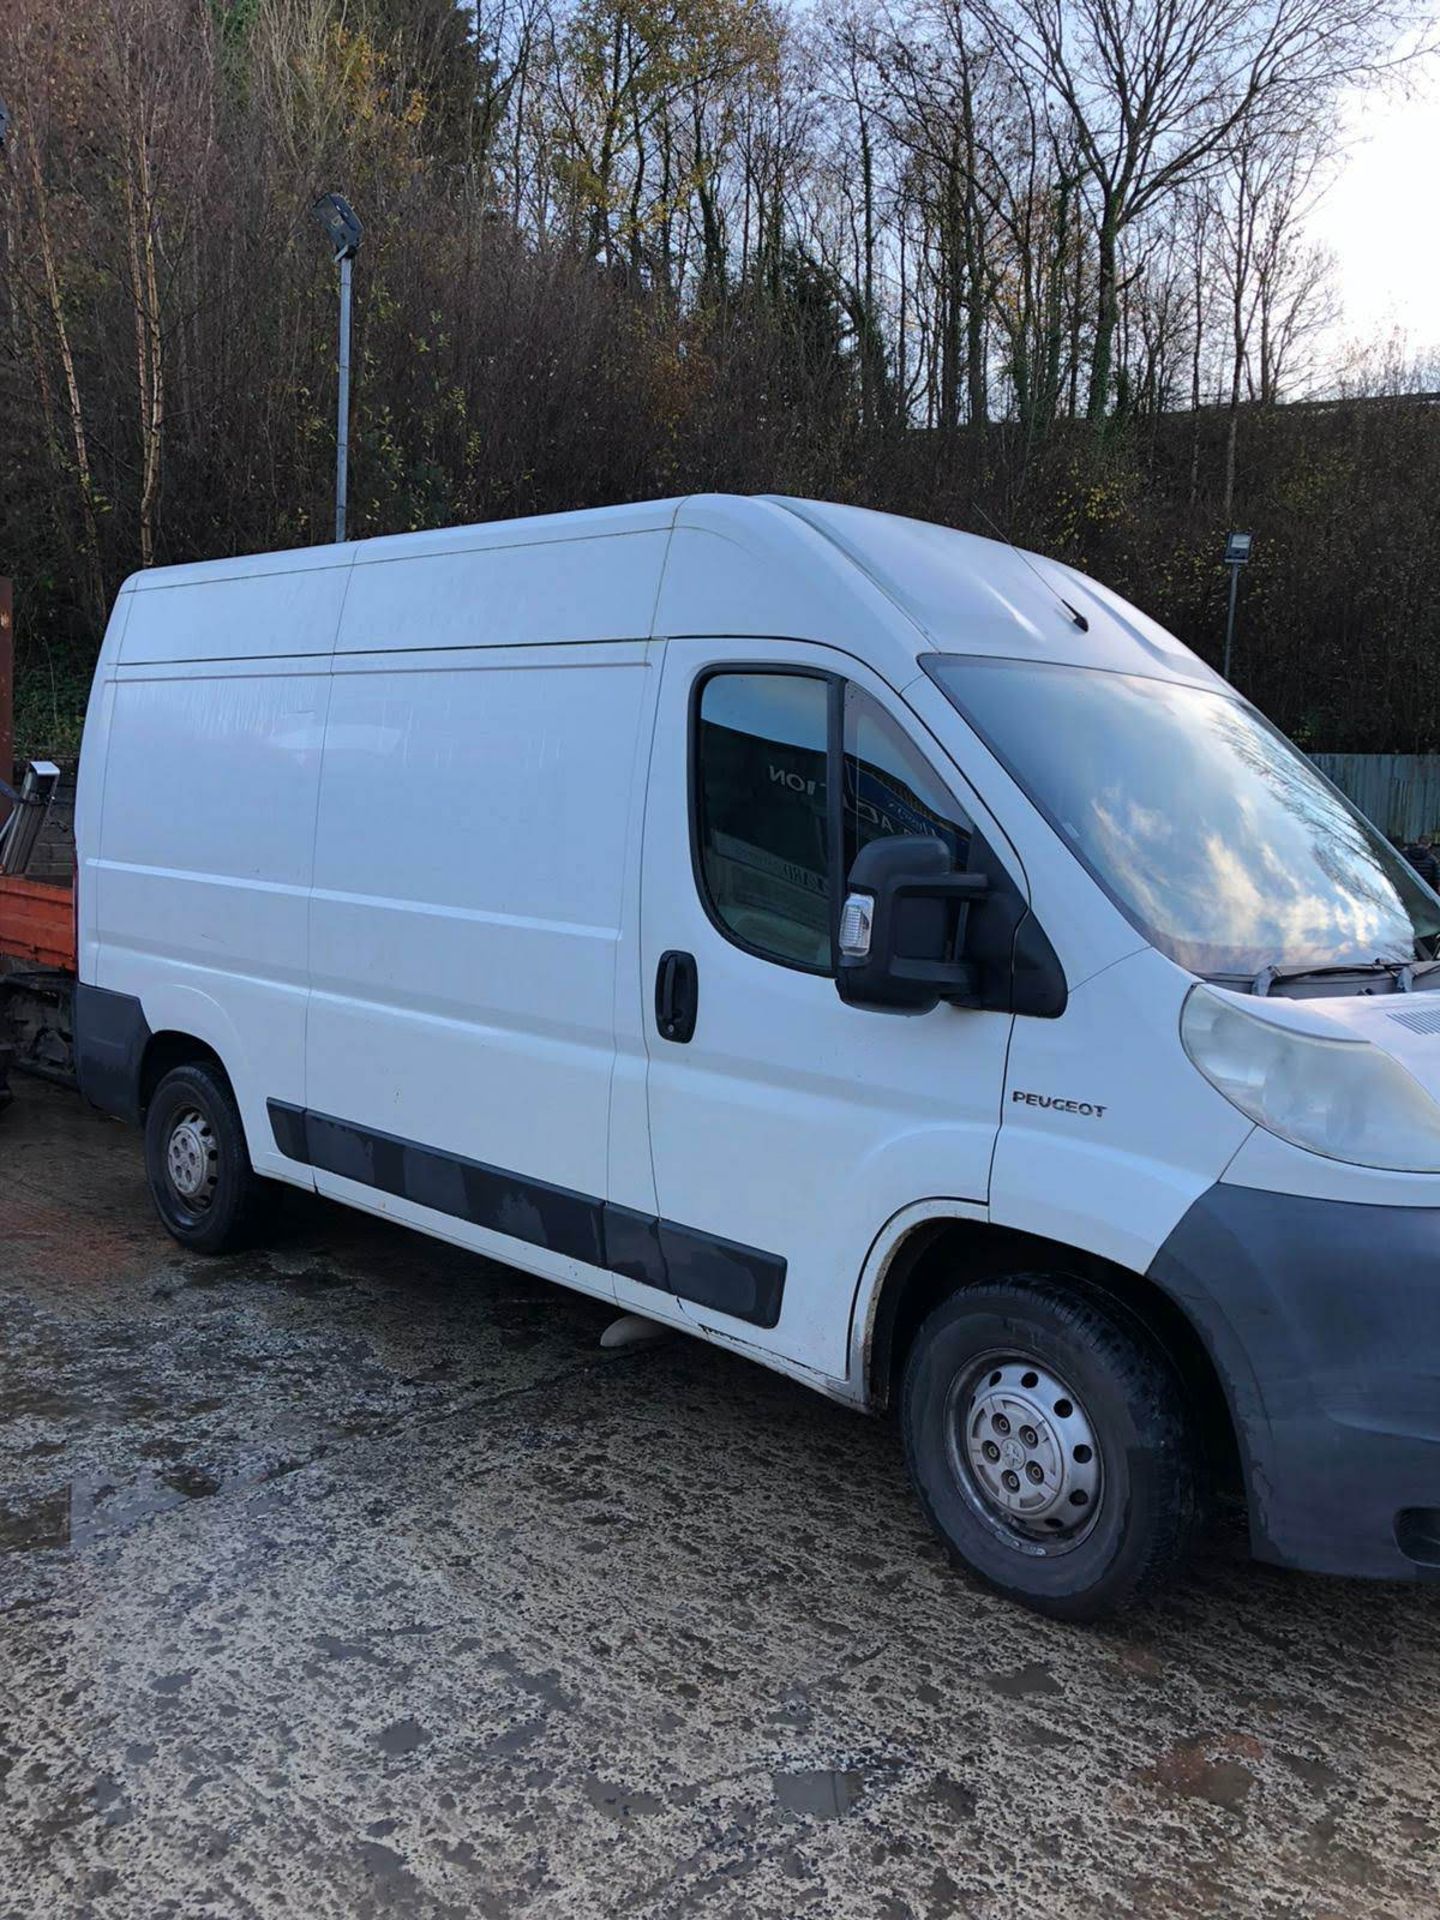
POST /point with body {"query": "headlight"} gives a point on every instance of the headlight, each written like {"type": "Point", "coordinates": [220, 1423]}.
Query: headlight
{"type": "Point", "coordinates": [1343, 1098]}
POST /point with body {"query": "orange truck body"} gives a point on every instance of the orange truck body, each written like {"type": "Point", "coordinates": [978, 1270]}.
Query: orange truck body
{"type": "Point", "coordinates": [37, 922]}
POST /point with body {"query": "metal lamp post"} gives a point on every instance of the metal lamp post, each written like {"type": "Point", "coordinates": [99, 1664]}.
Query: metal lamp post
{"type": "Point", "coordinates": [1237, 555]}
{"type": "Point", "coordinates": [344, 231]}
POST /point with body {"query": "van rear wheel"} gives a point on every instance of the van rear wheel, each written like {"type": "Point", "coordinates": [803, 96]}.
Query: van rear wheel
{"type": "Point", "coordinates": [204, 1188]}
{"type": "Point", "coordinates": [1051, 1443]}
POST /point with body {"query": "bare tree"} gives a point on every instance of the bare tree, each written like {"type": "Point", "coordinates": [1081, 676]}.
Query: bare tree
{"type": "Point", "coordinates": [1275, 285]}
{"type": "Point", "coordinates": [1155, 94]}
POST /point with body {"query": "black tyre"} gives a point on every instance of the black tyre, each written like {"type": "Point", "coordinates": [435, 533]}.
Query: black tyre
{"type": "Point", "coordinates": [1052, 1445]}
{"type": "Point", "coordinates": [201, 1180]}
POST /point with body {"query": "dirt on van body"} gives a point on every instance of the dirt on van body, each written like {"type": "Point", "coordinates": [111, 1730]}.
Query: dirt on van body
{"type": "Point", "coordinates": [351, 1578]}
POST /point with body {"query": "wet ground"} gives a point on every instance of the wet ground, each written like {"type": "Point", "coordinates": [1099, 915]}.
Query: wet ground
{"type": "Point", "coordinates": [353, 1579]}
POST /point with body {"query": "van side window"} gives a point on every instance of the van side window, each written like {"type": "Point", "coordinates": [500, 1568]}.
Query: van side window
{"type": "Point", "coordinates": [889, 788]}
{"type": "Point", "coordinates": [761, 799]}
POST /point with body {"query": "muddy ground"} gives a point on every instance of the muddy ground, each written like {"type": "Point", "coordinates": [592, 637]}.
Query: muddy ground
{"type": "Point", "coordinates": [351, 1578]}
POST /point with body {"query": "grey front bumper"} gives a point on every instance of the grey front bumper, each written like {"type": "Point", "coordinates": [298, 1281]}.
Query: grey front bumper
{"type": "Point", "coordinates": [1323, 1320]}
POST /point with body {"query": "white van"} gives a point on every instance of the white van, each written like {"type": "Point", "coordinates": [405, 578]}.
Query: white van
{"type": "Point", "coordinates": [882, 953]}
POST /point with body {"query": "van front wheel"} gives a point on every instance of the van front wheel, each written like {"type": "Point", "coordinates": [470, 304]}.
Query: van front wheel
{"type": "Point", "coordinates": [204, 1188]}
{"type": "Point", "coordinates": [1051, 1444]}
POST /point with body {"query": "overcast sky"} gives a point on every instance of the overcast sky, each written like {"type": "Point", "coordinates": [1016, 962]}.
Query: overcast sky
{"type": "Point", "coordinates": [1382, 215]}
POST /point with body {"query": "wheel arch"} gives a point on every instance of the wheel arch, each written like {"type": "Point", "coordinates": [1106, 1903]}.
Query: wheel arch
{"type": "Point", "coordinates": [166, 1050]}
{"type": "Point", "coordinates": [940, 1251]}
{"type": "Point", "coordinates": [124, 1043]}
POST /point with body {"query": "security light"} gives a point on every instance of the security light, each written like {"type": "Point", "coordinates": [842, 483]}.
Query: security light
{"type": "Point", "coordinates": [1237, 549]}
{"type": "Point", "coordinates": [341, 223]}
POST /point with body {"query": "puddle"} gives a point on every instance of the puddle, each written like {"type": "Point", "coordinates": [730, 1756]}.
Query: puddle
{"type": "Point", "coordinates": [33, 1400]}
{"type": "Point", "coordinates": [317, 1280]}
{"type": "Point", "coordinates": [92, 1507]}
{"type": "Point", "coordinates": [619, 1802]}
{"type": "Point", "coordinates": [403, 1736]}
{"type": "Point", "coordinates": [953, 1797]}
{"type": "Point", "coordinates": [1034, 1678]}
{"type": "Point", "coordinates": [191, 1483]}
{"type": "Point", "coordinates": [36, 1524]}
{"type": "Point", "coordinates": [1190, 1770]}
{"type": "Point", "coordinates": [823, 1794]}
{"type": "Point", "coordinates": [544, 1687]}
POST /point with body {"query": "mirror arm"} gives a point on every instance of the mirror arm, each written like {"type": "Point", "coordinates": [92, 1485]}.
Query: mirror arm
{"type": "Point", "coordinates": [951, 979]}
{"type": "Point", "coordinates": [947, 886]}
{"type": "Point", "coordinates": [888, 883]}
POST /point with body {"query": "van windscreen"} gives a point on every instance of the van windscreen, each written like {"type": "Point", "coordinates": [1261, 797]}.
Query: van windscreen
{"type": "Point", "coordinates": [1216, 837]}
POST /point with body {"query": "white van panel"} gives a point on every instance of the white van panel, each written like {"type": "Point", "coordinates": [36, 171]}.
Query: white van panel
{"type": "Point", "coordinates": [90, 788]}
{"type": "Point", "coordinates": [510, 595]}
{"type": "Point", "coordinates": [973, 595]}
{"type": "Point", "coordinates": [1083, 1156]}
{"type": "Point", "coordinates": [539, 529]}
{"type": "Point", "coordinates": [292, 609]}
{"type": "Point", "coordinates": [89, 810]}
{"type": "Point", "coordinates": [1272, 1165]}
{"type": "Point", "coordinates": [738, 567]}
{"type": "Point", "coordinates": [202, 878]}
{"type": "Point", "coordinates": [470, 855]}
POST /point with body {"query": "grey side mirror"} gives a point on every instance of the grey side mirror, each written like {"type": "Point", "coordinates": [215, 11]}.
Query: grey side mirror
{"type": "Point", "coordinates": [902, 928]}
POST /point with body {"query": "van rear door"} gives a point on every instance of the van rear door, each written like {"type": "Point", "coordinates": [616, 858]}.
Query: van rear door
{"type": "Point", "coordinates": [785, 1126]}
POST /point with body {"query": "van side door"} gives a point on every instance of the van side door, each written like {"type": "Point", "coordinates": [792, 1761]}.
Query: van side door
{"type": "Point", "coordinates": [474, 816]}
{"type": "Point", "coordinates": [785, 1126]}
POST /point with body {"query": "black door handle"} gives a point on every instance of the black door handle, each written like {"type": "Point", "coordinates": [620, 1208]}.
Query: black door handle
{"type": "Point", "coordinates": [677, 996]}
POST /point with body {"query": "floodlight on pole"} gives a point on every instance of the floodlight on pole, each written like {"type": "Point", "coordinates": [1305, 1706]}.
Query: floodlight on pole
{"type": "Point", "coordinates": [343, 230]}
{"type": "Point", "coordinates": [1237, 555]}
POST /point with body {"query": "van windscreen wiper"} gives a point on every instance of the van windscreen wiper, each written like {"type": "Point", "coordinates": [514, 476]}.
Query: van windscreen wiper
{"type": "Point", "coordinates": [1404, 973]}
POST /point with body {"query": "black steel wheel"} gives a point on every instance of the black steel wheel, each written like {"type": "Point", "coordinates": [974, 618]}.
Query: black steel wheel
{"type": "Point", "coordinates": [201, 1180]}
{"type": "Point", "coordinates": [1051, 1442]}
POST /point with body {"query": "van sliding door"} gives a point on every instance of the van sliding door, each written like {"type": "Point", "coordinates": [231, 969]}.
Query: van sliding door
{"type": "Point", "coordinates": [473, 821]}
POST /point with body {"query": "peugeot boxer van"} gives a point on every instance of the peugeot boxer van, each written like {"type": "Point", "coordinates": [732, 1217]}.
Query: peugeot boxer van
{"type": "Point", "coordinates": [882, 953]}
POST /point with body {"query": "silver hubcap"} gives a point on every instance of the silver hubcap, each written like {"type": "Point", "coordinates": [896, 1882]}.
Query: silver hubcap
{"type": "Point", "coordinates": [192, 1159]}
{"type": "Point", "coordinates": [1025, 1453]}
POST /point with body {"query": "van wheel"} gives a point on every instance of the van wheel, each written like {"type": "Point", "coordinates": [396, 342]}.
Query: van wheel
{"type": "Point", "coordinates": [1051, 1444]}
{"type": "Point", "coordinates": [201, 1180]}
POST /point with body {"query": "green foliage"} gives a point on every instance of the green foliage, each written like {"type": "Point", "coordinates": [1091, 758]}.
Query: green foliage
{"type": "Point", "coordinates": [235, 19]}
{"type": "Point", "coordinates": [50, 696]}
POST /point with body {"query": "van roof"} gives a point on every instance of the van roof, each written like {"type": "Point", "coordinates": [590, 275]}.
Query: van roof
{"type": "Point", "coordinates": [765, 566]}
{"type": "Point", "coordinates": [969, 594]}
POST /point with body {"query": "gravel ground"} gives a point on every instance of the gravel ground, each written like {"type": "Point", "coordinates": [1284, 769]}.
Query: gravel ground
{"type": "Point", "coordinates": [351, 1578]}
